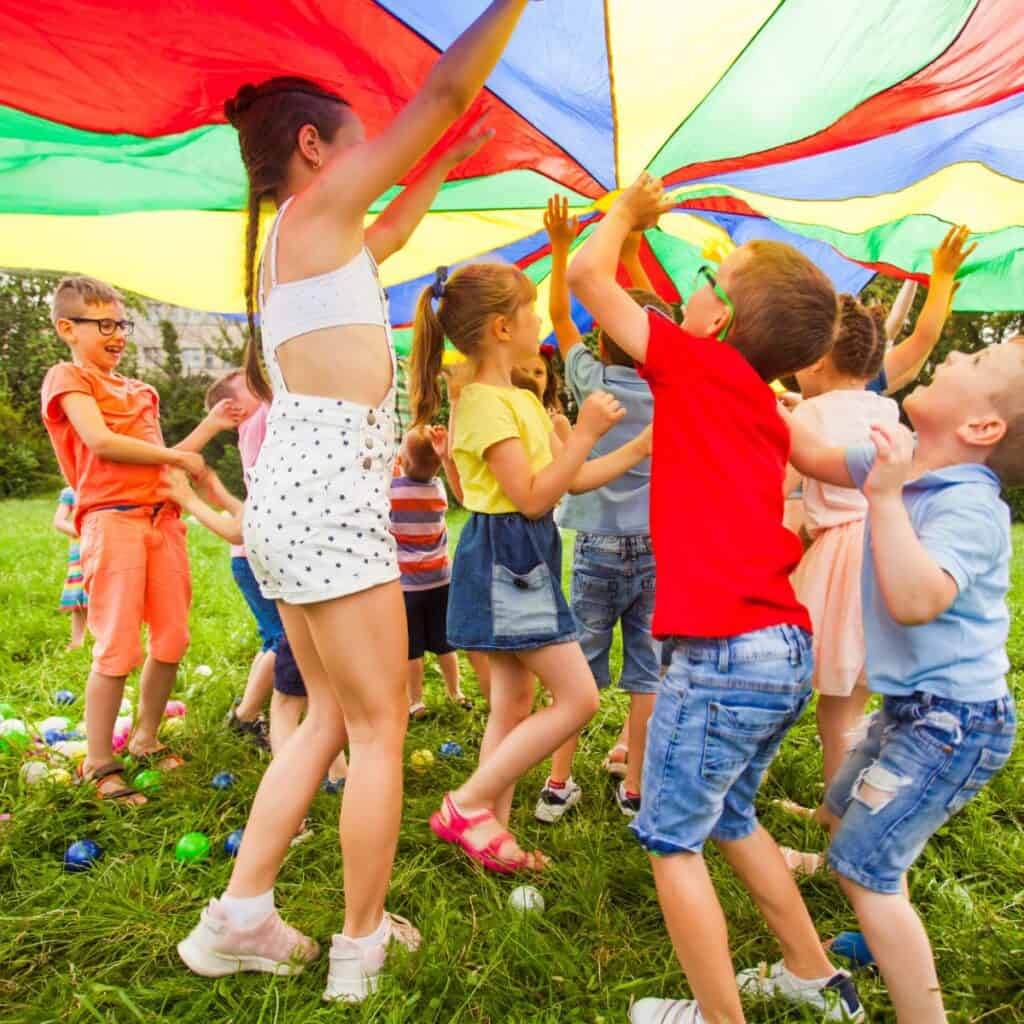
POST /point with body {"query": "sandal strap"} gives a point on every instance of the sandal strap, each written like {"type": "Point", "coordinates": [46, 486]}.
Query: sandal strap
{"type": "Point", "coordinates": [104, 772]}
{"type": "Point", "coordinates": [459, 821]}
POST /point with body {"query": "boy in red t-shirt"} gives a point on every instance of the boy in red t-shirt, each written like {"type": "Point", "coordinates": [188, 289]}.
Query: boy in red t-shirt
{"type": "Point", "coordinates": [105, 431]}
{"type": "Point", "coordinates": [741, 667]}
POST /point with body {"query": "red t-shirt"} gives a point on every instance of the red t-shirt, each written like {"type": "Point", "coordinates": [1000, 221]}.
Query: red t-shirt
{"type": "Point", "coordinates": [720, 450]}
{"type": "Point", "coordinates": [129, 407]}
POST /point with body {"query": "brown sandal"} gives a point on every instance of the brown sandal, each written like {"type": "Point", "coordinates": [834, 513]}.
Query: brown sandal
{"type": "Point", "coordinates": [163, 759]}
{"type": "Point", "coordinates": [122, 793]}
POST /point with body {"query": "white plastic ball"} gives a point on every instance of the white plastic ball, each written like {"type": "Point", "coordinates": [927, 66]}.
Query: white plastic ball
{"type": "Point", "coordinates": [525, 898]}
{"type": "Point", "coordinates": [33, 772]}
{"type": "Point", "coordinates": [203, 670]}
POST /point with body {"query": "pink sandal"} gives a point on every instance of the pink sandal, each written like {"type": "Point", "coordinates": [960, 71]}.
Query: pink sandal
{"type": "Point", "coordinates": [488, 856]}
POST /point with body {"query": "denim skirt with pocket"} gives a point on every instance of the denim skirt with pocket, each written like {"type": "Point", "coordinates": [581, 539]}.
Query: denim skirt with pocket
{"type": "Point", "coordinates": [506, 589]}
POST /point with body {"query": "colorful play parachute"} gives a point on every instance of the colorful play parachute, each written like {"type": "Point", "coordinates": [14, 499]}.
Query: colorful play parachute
{"type": "Point", "coordinates": [858, 130]}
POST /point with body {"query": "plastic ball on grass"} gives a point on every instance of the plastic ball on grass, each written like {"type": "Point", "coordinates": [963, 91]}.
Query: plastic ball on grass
{"type": "Point", "coordinates": [82, 855]}
{"type": "Point", "coordinates": [421, 760]}
{"type": "Point", "coordinates": [64, 697]}
{"type": "Point", "coordinates": [450, 749]}
{"type": "Point", "coordinates": [33, 772]}
{"type": "Point", "coordinates": [6, 711]}
{"type": "Point", "coordinates": [148, 781]}
{"type": "Point", "coordinates": [222, 780]}
{"type": "Point", "coordinates": [203, 670]}
{"type": "Point", "coordinates": [175, 709]}
{"type": "Point", "coordinates": [526, 899]}
{"type": "Point", "coordinates": [54, 736]}
{"type": "Point", "coordinates": [233, 842]}
{"type": "Point", "coordinates": [58, 777]}
{"type": "Point", "coordinates": [173, 726]}
{"type": "Point", "coordinates": [192, 847]}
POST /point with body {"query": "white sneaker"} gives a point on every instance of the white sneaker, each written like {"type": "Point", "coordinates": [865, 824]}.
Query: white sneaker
{"type": "Point", "coordinates": [836, 994]}
{"type": "Point", "coordinates": [216, 948]}
{"type": "Point", "coordinates": [355, 970]}
{"type": "Point", "coordinates": [665, 1011]}
{"type": "Point", "coordinates": [553, 803]}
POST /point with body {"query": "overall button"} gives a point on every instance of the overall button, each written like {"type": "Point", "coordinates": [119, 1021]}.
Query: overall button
{"type": "Point", "coordinates": [369, 442]}
{"type": "Point", "coordinates": [371, 419]}
{"type": "Point", "coordinates": [367, 463]}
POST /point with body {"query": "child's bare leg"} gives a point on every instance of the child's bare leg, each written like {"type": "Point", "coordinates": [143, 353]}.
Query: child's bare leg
{"type": "Point", "coordinates": [78, 619]}
{"type": "Point", "coordinates": [155, 685]}
{"type": "Point", "coordinates": [449, 665]}
{"type": "Point", "coordinates": [339, 768]}
{"type": "Point", "coordinates": [481, 663]}
{"type": "Point", "coordinates": [102, 702]}
{"type": "Point", "coordinates": [414, 685]}
{"type": "Point", "coordinates": [837, 718]}
{"type": "Point", "coordinates": [899, 943]}
{"type": "Point", "coordinates": [759, 864]}
{"type": "Point", "coordinates": [635, 728]}
{"type": "Point", "coordinates": [257, 687]}
{"type": "Point", "coordinates": [699, 935]}
{"type": "Point", "coordinates": [561, 759]}
{"type": "Point", "coordinates": [285, 711]}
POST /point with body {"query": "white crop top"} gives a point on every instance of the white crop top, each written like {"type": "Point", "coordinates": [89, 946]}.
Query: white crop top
{"type": "Point", "coordinates": [351, 294]}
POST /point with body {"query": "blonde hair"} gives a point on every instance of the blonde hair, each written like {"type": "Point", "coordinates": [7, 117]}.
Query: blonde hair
{"type": "Point", "coordinates": [469, 300]}
{"type": "Point", "coordinates": [73, 294]}
{"type": "Point", "coordinates": [1007, 458]}
{"type": "Point", "coordinates": [223, 387]}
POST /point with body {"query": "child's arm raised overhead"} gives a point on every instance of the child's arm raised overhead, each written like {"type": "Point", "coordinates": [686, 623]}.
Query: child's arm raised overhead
{"type": "Point", "coordinates": [914, 586]}
{"type": "Point", "coordinates": [536, 494]}
{"type": "Point", "coordinates": [630, 257]}
{"type": "Point", "coordinates": [900, 310]}
{"type": "Point", "coordinates": [84, 415]}
{"type": "Point", "coordinates": [361, 173]}
{"type": "Point", "coordinates": [592, 273]}
{"type": "Point", "coordinates": [62, 520]}
{"type": "Point", "coordinates": [904, 362]}
{"type": "Point", "coordinates": [562, 230]}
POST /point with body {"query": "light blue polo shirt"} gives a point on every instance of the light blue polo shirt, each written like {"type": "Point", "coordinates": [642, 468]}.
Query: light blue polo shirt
{"type": "Point", "coordinates": [964, 525]}
{"type": "Point", "coordinates": [620, 508]}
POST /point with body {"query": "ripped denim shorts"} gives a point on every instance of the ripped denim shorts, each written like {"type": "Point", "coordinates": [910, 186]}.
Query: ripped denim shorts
{"type": "Point", "coordinates": [922, 760]}
{"type": "Point", "coordinates": [506, 589]}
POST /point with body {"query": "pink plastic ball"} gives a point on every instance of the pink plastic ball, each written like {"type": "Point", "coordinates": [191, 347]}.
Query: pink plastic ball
{"type": "Point", "coordinates": [175, 709]}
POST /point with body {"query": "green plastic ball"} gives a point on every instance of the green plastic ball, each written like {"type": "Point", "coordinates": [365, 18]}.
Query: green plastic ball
{"type": "Point", "coordinates": [148, 780]}
{"type": "Point", "coordinates": [192, 846]}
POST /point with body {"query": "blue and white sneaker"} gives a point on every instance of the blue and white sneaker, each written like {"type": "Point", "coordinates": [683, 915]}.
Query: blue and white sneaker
{"type": "Point", "coordinates": [835, 994]}
{"type": "Point", "coordinates": [555, 802]}
{"type": "Point", "coordinates": [665, 1011]}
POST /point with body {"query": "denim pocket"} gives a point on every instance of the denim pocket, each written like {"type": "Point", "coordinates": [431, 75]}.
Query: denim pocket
{"type": "Point", "coordinates": [734, 735]}
{"type": "Point", "coordinates": [988, 763]}
{"type": "Point", "coordinates": [594, 601]}
{"type": "Point", "coordinates": [523, 604]}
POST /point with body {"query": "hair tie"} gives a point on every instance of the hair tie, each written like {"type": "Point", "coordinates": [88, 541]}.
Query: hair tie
{"type": "Point", "coordinates": [437, 289]}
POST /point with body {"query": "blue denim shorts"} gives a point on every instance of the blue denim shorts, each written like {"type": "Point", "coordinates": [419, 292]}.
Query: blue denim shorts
{"type": "Point", "coordinates": [268, 621]}
{"type": "Point", "coordinates": [923, 758]}
{"type": "Point", "coordinates": [506, 589]}
{"type": "Point", "coordinates": [721, 714]}
{"type": "Point", "coordinates": [613, 581]}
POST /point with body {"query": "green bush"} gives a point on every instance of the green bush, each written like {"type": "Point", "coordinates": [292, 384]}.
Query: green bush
{"type": "Point", "coordinates": [1014, 497]}
{"type": "Point", "coordinates": [27, 465]}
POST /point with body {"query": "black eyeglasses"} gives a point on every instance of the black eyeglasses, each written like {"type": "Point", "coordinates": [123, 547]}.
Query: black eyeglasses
{"type": "Point", "coordinates": [106, 325]}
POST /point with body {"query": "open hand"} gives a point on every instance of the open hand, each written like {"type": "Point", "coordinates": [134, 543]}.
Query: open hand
{"type": "Point", "coordinates": [561, 228]}
{"type": "Point", "coordinates": [599, 413]}
{"type": "Point", "coordinates": [192, 463]}
{"type": "Point", "coordinates": [438, 440]}
{"type": "Point", "coordinates": [469, 143]}
{"type": "Point", "coordinates": [895, 447]}
{"type": "Point", "coordinates": [225, 415]}
{"type": "Point", "coordinates": [177, 488]}
{"type": "Point", "coordinates": [949, 257]}
{"type": "Point", "coordinates": [644, 202]}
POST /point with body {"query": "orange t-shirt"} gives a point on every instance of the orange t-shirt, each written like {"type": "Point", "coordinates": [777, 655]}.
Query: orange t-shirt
{"type": "Point", "coordinates": [129, 407]}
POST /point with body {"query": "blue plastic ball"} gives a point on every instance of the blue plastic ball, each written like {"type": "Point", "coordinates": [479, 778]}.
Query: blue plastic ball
{"type": "Point", "coordinates": [82, 855]}
{"type": "Point", "coordinates": [64, 697]}
{"type": "Point", "coordinates": [233, 842]}
{"type": "Point", "coordinates": [222, 780]}
{"type": "Point", "coordinates": [52, 736]}
{"type": "Point", "coordinates": [451, 749]}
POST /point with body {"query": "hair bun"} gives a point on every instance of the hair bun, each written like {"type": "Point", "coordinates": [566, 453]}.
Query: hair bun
{"type": "Point", "coordinates": [239, 103]}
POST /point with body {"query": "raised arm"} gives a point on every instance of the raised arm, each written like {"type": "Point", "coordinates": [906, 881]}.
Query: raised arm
{"type": "Point", "coordinates": [396, 223]}
{"type": "Point", "coordinates": [592, 273]}
{"type": "Point", "coordinates": [904, 362]}
{"type": "Point", "coordinates": [85, 416]}
{"type": "Point", "coordinates": [362, 173]}
{"type": "Point", "coordinates": [630, 257]}
{"type": "Point", "coordinates": [562, 230]}
{"type": "Point", "coordinates": [897, 318]}
{"type": "Point", "coordinates": [536, 494]}
{"type": "Point", "coordinates": [914, 586]}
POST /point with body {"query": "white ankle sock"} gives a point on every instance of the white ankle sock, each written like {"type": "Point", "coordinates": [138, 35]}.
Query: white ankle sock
{"type": "Point", "coordinates": [375, 938]}
{"type": "Point", "coordinates": [247, 911]}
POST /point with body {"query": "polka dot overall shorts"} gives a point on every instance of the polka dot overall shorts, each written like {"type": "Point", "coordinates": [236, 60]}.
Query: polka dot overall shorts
{"type": "Point", "coordinates": [316, 523]}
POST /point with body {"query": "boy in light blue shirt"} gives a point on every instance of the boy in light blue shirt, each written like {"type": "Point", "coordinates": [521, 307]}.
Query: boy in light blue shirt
{"type": "Point", "coordinates": [613, 563]}
{"type": "Point", "coordinates": [935, 578]}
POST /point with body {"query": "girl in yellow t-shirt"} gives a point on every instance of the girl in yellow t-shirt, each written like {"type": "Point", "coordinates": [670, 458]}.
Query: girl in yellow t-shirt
{"type": "Point", "coordinates": [506, 595]}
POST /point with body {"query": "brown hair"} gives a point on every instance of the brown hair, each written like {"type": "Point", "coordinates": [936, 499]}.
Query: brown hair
{"type": "Point", "coordinates": [73, 294]}
{"type": "Point", "coordinates": [268, 118]}
{"type": "Point", "coordinates": [859, 348]}
{"type": "Point", "coordinates": [551, 399]}
{"type": "Point", "coordinates": [786, 309]}
{"type": "Point", "coordinates": [611, 350]}
{"type": "Point", "coordinates": [223, 387]}
{"type": "Point", "coordinates": [1007, 458]}
{"type": "Point", "coordinates": [419, 460]}
{"type": "Point", "coordinates": [526, 381]}
{"type": "Point", "coordinates": [469, 300]}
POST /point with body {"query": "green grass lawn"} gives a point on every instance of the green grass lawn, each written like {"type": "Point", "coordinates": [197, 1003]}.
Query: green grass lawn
{"type": "Point", "coordinates": [99, 946]}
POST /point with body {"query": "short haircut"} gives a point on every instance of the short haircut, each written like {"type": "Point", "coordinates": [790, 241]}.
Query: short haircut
{"type": "Point", "coordinates": [419, 460]}
{"type": "Point", "coordinates": [74, 294]}
{"type": "Point", "coordinates": [786, 309]}
{"type": "Point", "coordinates": [1007, 458]}
{"type": "Point", "coordinates": [224, 387]}
{"type": "Point", "coordinates": [642, 297]}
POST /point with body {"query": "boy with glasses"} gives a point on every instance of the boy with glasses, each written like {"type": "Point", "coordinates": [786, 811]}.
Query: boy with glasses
{"type": "Point", "coordinates": [105, 431]}
{"type": "Point", "coordinates": [741, 663]}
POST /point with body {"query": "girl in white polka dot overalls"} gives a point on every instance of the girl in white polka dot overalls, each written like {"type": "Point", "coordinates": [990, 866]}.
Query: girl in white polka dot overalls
{"type": "Point", "coordinates": [316, 525]}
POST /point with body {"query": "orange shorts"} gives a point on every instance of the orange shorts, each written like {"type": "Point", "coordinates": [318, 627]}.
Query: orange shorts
{"type": "Point", "coordinates": [135, 571]}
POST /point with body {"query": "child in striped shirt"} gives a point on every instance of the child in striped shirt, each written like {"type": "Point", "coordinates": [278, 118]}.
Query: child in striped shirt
{"type": "Point", "coordinates": [418, 506]}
